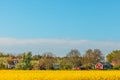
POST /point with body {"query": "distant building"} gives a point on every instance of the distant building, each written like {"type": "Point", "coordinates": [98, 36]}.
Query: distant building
{"type": "Point", "coordinates": [103, 66]}
{"type": "Point", "coordinates": [77, 68]}
{"type": "Point", "coordinates": [56, 66]}
{"type": "Point", "coordinates": [11, 63]}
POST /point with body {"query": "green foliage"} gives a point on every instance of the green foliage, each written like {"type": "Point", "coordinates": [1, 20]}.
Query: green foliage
{"type": "Point", "coordinates": [114, 56]}
{"type": "Point", "coordinates": [20, 66]}
{"type": "Point", "coordinates": [1, 65]}
{"type": "Point", "coordinates": [4, 60]}
{"type": "Point", "coordinates": [1, 54]}
{"type": "Point", "coordinates": [45, 62]}
{"type": "Point", "coordinates": [36, 57]}
{"type": "Point", "coordinates": [110, 57]}
{"type": "Point", "coordinates": [116, 67]}
{"type": "Point", "coordinates": [66, 64]}
{"type": "Point", "coordinates": [25, 62]}
{"type": "Point", "coordinates": [34, 62]}
{"type": "Point", "coordinates": [72, 60]}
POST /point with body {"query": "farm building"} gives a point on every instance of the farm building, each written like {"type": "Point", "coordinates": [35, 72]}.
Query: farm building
{"type": "Point", "coordinates": [76, 68]}
{"type": "Point", "coordinates": [11, 63]}
{"type": "Point", "coordinates": [56, 66]}
{"type": "Point", "coordinates": [103, 66]}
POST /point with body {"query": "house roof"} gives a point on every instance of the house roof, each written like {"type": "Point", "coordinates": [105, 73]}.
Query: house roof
{"type": "Point", "coordinates": [11, 62]}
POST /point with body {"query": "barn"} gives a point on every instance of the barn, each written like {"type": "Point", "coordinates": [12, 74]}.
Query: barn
{"type": "Point", "coordinates": [103, 66]}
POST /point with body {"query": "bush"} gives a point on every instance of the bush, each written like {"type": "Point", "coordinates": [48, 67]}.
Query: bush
{"type": "Point", "coordinates": [116, 67]}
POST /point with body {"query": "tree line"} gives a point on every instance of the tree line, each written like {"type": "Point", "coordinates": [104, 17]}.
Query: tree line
{"type": "Point", "coordinates": [46, 61]}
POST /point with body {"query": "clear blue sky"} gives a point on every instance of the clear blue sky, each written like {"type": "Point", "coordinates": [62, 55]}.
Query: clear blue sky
{"type": "Point", "coordinates": [74, 19]}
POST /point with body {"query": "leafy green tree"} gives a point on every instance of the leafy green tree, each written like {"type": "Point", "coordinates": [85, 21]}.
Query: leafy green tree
{"type": "Point", "coordinates": [20, 66]}
{"type": "Point", "coordinates": [1, 54]}
{"type": "Point", "coordinates": [66, 64]}
{"type": "Point", "coordinates": [25, 62]}
{"type": "Point", "coordinates": [2, 66]}
{"type": "Point", "coordinates": [110, 57]}
{"type": "Point", "coordinates": [114, 56]}
{"type": "Point", "coordinates": [36, 57]}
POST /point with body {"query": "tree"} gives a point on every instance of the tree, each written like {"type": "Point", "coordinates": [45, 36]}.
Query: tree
{"type": "Point", "coordinates": [8, 55]}
{"type": "Point", "coordinates": [66, 64]}
{"type": "Point", "coordinates": [1, 54]}
{"type": "Point", "coordinates": [114, 56]}
{"type": "Point", "coordinates": [74, 57]}
{"type": "Point", "coordinates": [2, 61]}
{"type": "Point", "coordinates": [36, 57]}
{"type": "Point", "coordinates": [73, 53]}
{"type": "Point", "coordinates": [42, 65]}
{"type": "Point", "coordinates": [48, 55]}
{"type": "Point", "coordinates": [25, 62]}
{"type": "Point", "coordinates": [46, 61]}
{"type": "Point", "coordinates": [91, 57]}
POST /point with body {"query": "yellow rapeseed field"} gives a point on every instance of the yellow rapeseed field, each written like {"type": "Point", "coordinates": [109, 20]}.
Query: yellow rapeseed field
{"type": "Point", "coordinates": [58, 75]}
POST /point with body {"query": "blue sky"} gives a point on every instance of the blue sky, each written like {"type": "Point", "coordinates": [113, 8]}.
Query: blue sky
{"type": "Point", "coordinates": [94, 20]}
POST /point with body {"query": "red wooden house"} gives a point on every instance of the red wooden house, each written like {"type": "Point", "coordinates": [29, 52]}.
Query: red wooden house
{"type": "Point", "coordinates": [103, 66]}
